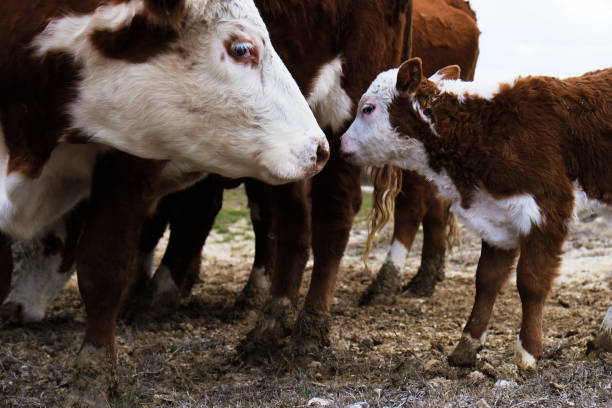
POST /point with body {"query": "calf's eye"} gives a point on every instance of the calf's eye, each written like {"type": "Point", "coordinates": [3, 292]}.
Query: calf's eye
{"type": "Point", "coordinates": [367, 108]}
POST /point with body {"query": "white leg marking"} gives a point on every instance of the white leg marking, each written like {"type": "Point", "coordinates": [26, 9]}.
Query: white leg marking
{"type": "Point", "coordinates": [260, 279]}
{"type": "Point", "coordinates": [163, 281]}
{"type": "Point", "coordinates": [524, 359]}
{"type": "Point", "coordinates": [397, 255]}
{"type": "Point", "coordinates": [606, 325]}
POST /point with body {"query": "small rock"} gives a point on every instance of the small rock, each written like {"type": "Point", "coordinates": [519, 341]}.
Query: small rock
{"type": "Point", "coordinates": [361, 404]}
{"type": "Point", "coordinates": [319, 402]}
{"type": "Point", "coordinates": [505, 384]}
{"type": "Point", "coordinates": [482, 404]}
{"type": "Point", "coordinates": [314, 365]}
{"type": "Point", "coordinates": [476, 376]}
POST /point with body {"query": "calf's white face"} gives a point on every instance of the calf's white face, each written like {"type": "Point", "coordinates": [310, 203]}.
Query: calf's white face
{"type": "Point", "coordinates": [217, 98]}
{"type": "Point", "coordinates": [370, 140]}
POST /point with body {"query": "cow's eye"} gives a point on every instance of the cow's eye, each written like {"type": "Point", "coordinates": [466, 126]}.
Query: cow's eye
{"type": "Point", "coordinates": [241, 49]}
{"type": "Point", "coordinates": [367, 108]}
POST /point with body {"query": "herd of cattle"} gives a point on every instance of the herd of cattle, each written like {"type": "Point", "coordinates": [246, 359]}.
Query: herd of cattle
{"type": "Point", "coordinates": [120, 118]}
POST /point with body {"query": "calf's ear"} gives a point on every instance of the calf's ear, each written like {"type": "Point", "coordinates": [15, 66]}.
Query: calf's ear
{"type": "Point", "coordinates": [409, 75]}
{"type": "Point", "coordinates": [449, 72]}
{"type": "Point", "coordinates": [165, 12]}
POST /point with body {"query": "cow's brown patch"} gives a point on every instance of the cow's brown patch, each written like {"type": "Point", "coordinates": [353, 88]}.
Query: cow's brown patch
{"type": "Point", "coordinates": [135, 43]}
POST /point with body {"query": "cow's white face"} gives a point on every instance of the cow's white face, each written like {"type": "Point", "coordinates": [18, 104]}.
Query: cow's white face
{"type": "Point", "coordinates": [216, 97]}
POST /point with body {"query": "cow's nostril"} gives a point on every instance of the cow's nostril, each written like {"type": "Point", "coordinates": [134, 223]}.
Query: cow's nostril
{"type": "Point", "coordinates": [322, 155]}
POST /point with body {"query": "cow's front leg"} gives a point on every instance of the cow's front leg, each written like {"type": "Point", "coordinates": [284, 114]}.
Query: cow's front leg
{"type": "Point", "coordinates": [123, 192]}
{"type": "Point", "coordinates": [256, 291]}
{"type": "Point", "coordinates": [336, 197]}
{"type": "Point", "coordinates": [494, 267]}
{"type": "Point", "coordinates": [290, 209]}
{"type": "Point", "coordinates": [433, 256]}
{"type": "Point", "coordinates": [410, 208]}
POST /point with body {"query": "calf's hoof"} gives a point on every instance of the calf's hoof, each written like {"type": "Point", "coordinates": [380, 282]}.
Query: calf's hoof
{"type": "Point", "coordinates": [423, 284]}
{"type": "Point", "coordinates": [524, 359]}
{"type": "Point", "coordinates": [311, 334]}
{"type": "Point", "coordinates": [466, 352]}
{"type": "Point", "coordinates": [603, 341]}
{"type": "Point", "coordinates": [383, 288]}
{"type": "Point", "coordinates": [94, 381]}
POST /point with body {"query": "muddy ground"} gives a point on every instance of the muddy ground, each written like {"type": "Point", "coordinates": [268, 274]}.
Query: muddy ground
{"type": "Point", "coordinates": [380, 355]}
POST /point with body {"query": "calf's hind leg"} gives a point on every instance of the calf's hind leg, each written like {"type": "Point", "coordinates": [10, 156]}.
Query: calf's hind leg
{"type": "Point", "coordinates": [536, 269]}
{"type": "Point", "coordinates": [493, 269]}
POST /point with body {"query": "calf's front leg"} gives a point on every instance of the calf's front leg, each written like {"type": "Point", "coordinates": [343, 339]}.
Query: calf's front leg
{"type": "Point", "coordinates": [493, 269]}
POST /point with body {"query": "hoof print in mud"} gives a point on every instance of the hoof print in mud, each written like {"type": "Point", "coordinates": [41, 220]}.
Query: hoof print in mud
{"type": "Point", "coordinates": [384, 287]}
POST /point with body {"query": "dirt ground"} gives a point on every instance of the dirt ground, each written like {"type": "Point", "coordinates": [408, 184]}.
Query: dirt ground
{"type": "Point", "coordinates": [391, 356]}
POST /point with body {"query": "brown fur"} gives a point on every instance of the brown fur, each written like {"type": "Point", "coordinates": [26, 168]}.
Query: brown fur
{"type": "Point", "coordinates": [536, 136]}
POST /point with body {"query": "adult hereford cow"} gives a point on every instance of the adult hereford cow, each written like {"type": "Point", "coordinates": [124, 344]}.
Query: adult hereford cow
{"type": "Point", "coordinates": [124, 101]}
{"type": "Point", "coordinates": [513, 159]}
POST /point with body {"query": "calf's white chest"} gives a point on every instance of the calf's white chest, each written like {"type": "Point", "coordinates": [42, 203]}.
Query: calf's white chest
{"type": "Point", "coordinates": [499, 222]}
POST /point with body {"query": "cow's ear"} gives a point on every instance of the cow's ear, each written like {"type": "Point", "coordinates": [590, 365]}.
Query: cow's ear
{"type": "Point", "coordinates": [449, 72]}
{"type": "Point", "coordinates": [165, 12]}
{"type": "Point", "coordinates": [409, 75]}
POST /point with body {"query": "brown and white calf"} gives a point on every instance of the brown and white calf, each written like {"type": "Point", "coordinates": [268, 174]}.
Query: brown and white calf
{"type": "Point", "coordinates": [511, 158]}
{"type": "Point", "coordinates": [124, 101]}
{"type": "Point", "coordinates": [444, 32]}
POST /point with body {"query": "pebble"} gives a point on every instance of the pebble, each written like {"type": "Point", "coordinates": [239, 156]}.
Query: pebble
{"type": "Point", "coordinates": [482, 404]}
{"type": "Point", "coordinates": [505, 384]}
{"type": "Point", "coordinates": [319, 402]}
{"type": "Point", "coordinates": [361, 404]}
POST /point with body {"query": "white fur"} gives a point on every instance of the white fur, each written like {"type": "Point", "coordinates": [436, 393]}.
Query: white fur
{"type": "Point", "coordinates": [189, 103]}
{"type": "Point", "coordinates": [163, 282]}
{"type": "Point", "coordinates": [585, 206]}
{"type": "Point", "coordinates": [260, 279]}
{"type": "Point", "coordinates": [397, 255]}
{"type": "Point", "coordinates": [459, 88]}
{"type": "Point", "coordinates": [475, 342]}
{"type": "Point", "coordinates": [27, 205]}
{"type": "Point", "coordinates": [327, 99]}
{"type": "Point", "coordinates": [524, 359]}
{"type": "Point", "coordinates": [606, 324]}
{"type": "Point", "coordinates": [36, 279]}
{"type": "Point", "coordinates": [369, 136]}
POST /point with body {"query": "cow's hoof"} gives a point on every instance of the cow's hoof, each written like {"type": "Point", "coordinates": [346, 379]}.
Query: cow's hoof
{"type": "Point", "coordinates": [603, 341]}
{"type": "Point", "coordinates": [423, 284]}
{"type": "Point", "coordinates": [383, 288]}
{"type": "Point", "coordinates": [255, 292]}
{"type": "Point", "coordinates": [310, 335]}
{"type": "Point", "coordinates": [270, 332]}
{"type": "Point", "coordinates": [11, 312]}
{"type": "Point", "coordinates": [94, 380]}
{"type": "Point", "coordinates": [466, 352]}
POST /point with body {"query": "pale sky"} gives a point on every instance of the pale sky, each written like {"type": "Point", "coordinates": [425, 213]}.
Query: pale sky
{"type": "Point", "coordinates": [542, 37]}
